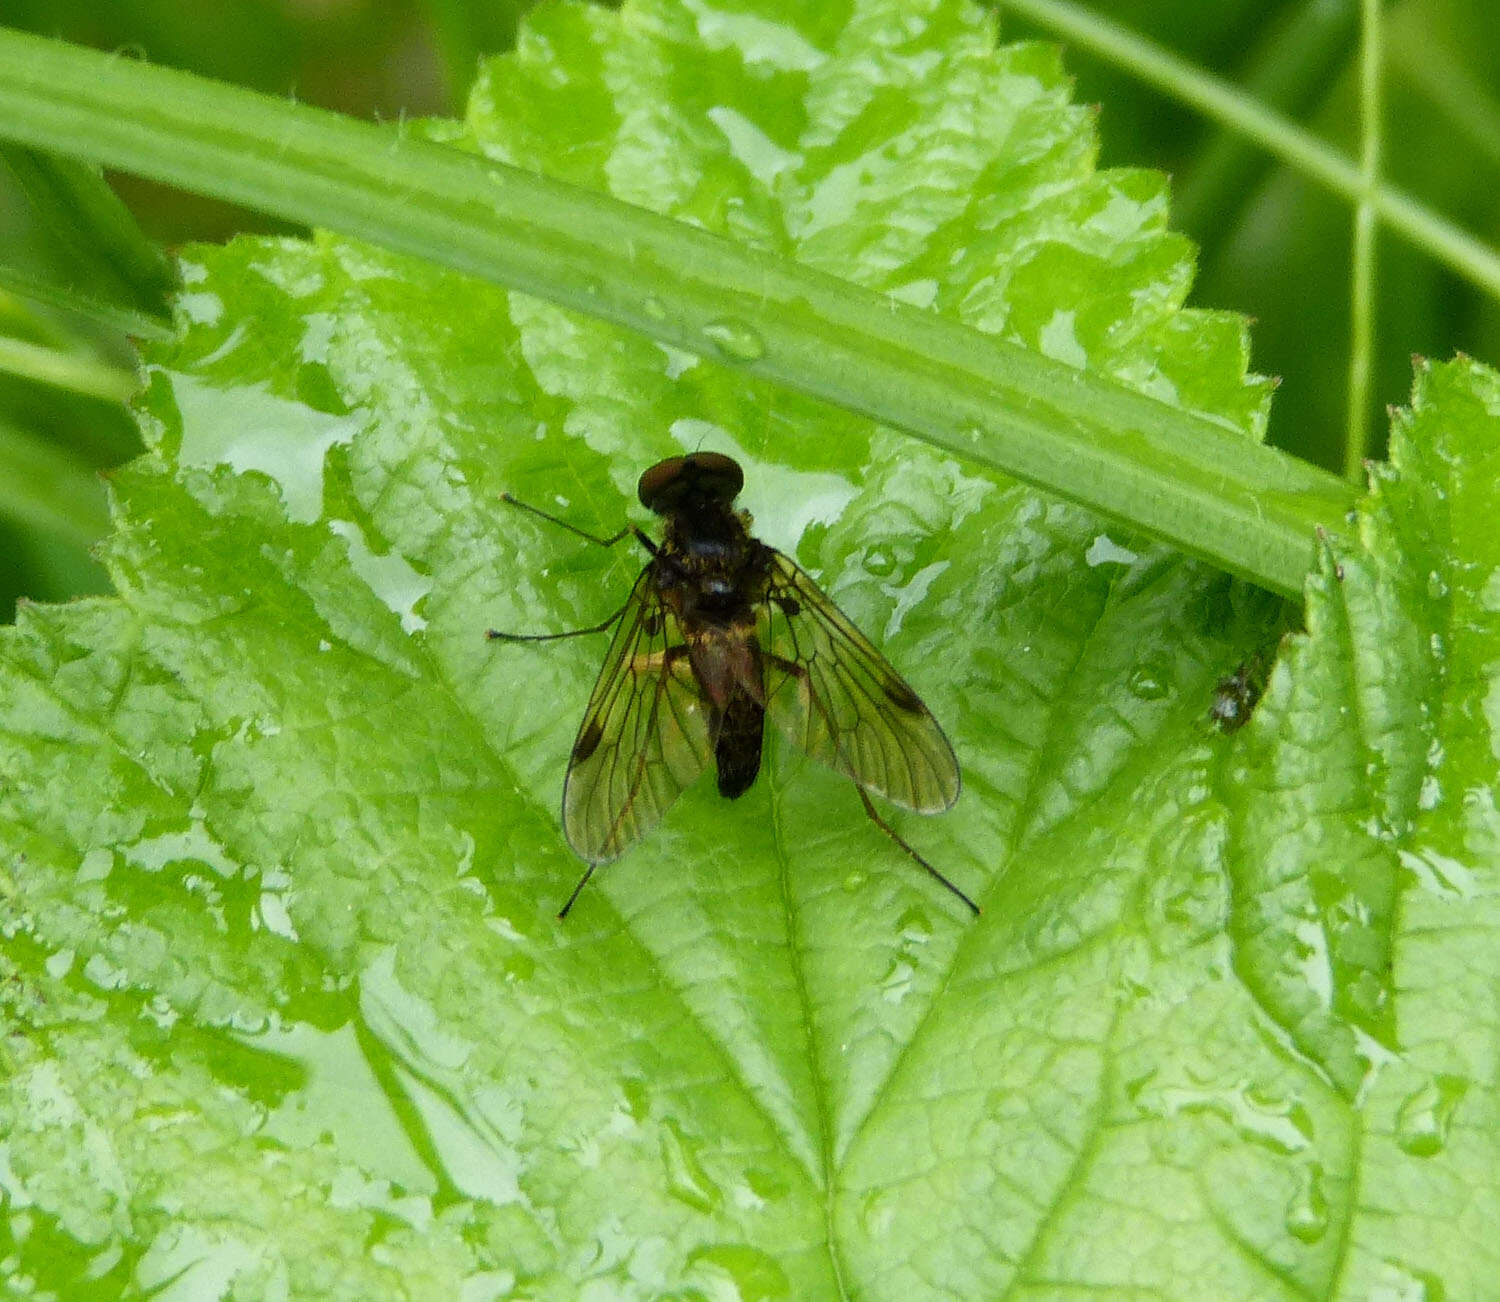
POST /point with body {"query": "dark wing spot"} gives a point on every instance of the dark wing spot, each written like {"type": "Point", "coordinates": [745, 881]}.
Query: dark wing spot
{"type": "Point", "coordinates": [903, 697]}
{"type": "Point", "coordinates": [790, 606]}
{"type": "Point", "coordinates": [588, 741]}
{"type": "Point", "coordinates": [651, 623]}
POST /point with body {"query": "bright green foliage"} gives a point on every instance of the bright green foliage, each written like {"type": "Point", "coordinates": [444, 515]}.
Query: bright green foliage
{"type": "Point", "coordinates": [289, 1009]}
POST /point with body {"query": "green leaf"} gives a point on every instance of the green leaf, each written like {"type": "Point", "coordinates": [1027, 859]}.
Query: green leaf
{"type": "Point", "coordinates": [288, 1009]}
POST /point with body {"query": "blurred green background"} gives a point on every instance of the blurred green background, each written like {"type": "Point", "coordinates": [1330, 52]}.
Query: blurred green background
{"type": "Point", "coordinates": [1273, 245]}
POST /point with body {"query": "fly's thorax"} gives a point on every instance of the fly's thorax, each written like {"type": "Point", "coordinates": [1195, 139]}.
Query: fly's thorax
{"type": "Point", "coordinates": [710, 570]}
{"type": "Point", "coordinates": [711, 591]}
{"type": "Point", "coordinates": [708, 528]}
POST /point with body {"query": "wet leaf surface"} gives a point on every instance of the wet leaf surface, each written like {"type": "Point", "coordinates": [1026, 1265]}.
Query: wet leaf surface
{"type": "Point", "coordinates": [288, 1010]}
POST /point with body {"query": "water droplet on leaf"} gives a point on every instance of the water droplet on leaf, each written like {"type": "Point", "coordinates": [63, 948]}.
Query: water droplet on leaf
{"type": "Point", "coordinates": [915, 925]}
{"type": "Point", "coordinates": [1424, 1117]}
{"type": "Point", "coordinates": [686, 1178]}
{"type": "Point", "coordinates": [899, 980]}
{"type": "Point", "coordinates": [876, 1212]}
{"type": "Point", "coordinates": [1398, 1282]}
{"type": "Point", "coordinates": [766, 1184]}
{"type": "Point", "coordinates": [1307, 1213]}
{"type": "Point", "coordinates": [735, 340]}
{"type": "Point", "coordinates": [1147, 682]}
{"type": "Point", "coordinates": [879, 561]}
{"type": "Point", "coordinates": [752, 1275]}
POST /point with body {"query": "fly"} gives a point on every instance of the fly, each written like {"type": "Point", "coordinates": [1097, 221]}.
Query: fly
{"type": "Point", "coordinates": [1236, 695]}
{"type": "Point", "coordinates": [719, 632]}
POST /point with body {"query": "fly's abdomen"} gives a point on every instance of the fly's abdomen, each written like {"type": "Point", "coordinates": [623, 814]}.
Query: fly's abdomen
{"type": "Point", "coordinates": [737, 749]}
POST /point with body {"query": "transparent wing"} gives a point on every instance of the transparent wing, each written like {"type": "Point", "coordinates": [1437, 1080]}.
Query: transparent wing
{"type": "Point", "coordinates": [840, 700]}
{"type": "Point", "coordinates": [644, 736]}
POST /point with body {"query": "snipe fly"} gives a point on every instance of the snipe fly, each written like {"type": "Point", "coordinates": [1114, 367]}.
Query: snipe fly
{"type": "Point", "coordinates": [719, 632]}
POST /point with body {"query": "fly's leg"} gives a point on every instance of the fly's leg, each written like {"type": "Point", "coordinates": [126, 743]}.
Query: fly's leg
{"type": "Point", "coordinates": [891, 832]}
{"type": "Point", "coordinates": [627, 532]}
{"type": "Point", "coordinates": [577, 891]}
{"type": "Point", "coordinates": [796, 671]}
{"type": "Point", "coordinates": [495, 635]}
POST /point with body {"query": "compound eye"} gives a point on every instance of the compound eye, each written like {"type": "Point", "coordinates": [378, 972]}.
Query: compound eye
{"type": "Point", "coordinates": [657, 480]}
{"type": "Point", "coordinates": [719, 474]}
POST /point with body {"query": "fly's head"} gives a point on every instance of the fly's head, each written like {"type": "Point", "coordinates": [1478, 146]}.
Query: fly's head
{"type": "Point", "coordinates": [697, 482]}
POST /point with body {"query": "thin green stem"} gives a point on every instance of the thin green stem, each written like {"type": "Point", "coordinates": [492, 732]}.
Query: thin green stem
{"type": "Point", "coordinates": [1187, 479]}
{"type": "Point", "coordinates": [65, 370]}
{"type": "Point", "coordinates": [1464, 99]}
{"type": "Point", "coordinates": [1441, 239]}
{"type": "Point", "coordinates": [1288, 70]}
{"type": "Point", "coordinates": [1362, 276]}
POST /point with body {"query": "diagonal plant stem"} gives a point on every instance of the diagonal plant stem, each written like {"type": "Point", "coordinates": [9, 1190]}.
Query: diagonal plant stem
{"type": "Point", "coordinates": [1291, 65]}
{"type": "Point", "coordinates": [69, 298]}
{"type": "Point", "coordinates": [65, 370]}
{"type": "Point", "coordinates": [1362, 275]}
{"type": "Point", "coordinates": [1427, 230]}
{"type": "Point", "coordinates": [1189, 480]}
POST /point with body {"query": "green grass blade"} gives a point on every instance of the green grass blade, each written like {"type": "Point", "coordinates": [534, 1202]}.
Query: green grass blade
{"type": "Point", "coordinates": [1210, 491]}
{"type": "Point", "coordinates": [1362, 273]}
{"type": "Point", "coordinates": [1449, 244]}
{"type": "Point", "coordinates": [65, 370]}
{"type": "Point", "coordinates": [66, 298]}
